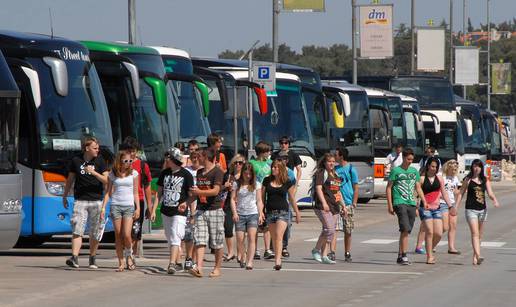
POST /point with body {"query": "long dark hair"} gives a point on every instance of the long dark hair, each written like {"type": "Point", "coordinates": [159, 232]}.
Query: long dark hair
{"type": "Point", "coordinates": [429, 161]}
{"type": "Point", "coordinates": [479, 163]}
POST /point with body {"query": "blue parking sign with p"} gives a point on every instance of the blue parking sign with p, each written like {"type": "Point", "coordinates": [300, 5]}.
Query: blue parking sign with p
{"type": "Point", "coordinates": [264, 72]}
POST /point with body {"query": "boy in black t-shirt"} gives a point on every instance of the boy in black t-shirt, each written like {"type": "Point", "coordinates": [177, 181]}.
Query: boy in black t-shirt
{"type": "Point", "coordinates": [88, 174]}
{"type": "Point", "coordinates": [174, 185]}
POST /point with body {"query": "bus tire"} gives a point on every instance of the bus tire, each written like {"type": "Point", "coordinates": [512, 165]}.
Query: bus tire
{"type": "Point", "coordinates": [363, 200]}
{"type": "Point", "coordinates": [32, 241]}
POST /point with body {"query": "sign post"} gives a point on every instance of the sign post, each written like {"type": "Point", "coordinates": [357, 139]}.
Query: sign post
{"type": "Point", "coordinates": [466, 65]}
{"type": "Point", "coordinates": [265, 75]}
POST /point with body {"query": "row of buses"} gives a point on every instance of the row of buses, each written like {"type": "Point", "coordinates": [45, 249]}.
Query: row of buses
{"type": "Point", "coordinates": [55, 91]}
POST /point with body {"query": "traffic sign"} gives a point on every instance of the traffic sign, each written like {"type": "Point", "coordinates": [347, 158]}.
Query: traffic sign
{"type": "Point", "coordinates": [265, 75]}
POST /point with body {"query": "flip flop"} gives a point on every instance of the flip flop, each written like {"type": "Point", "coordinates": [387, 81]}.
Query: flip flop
{"type": "Point", "coordinates": [454, 252]}
{"type": "Point", "coordinates": [432, 261]}
{"type": "Point", "coordinates": [228, 259]}
{"type": "Point", "coordinates": [195, 272]}
{"type": "Point", "coordinates": [130, 266]}
{"type": "Point", "coordinates": [215, 274]}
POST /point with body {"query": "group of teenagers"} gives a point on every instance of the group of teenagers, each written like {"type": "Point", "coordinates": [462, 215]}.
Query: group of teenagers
{"type": "Point", "coordinates": [440, 193]}
{"type": "Point", "coordinates": [203, 201]}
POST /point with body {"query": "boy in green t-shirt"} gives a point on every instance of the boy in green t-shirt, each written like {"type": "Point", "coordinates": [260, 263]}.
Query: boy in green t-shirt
{"type": "Point", "coordinates": [403, 180]}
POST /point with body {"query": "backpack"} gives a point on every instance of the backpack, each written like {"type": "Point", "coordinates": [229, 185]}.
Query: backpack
{"type": "Point", "coordinates": [311, 190]}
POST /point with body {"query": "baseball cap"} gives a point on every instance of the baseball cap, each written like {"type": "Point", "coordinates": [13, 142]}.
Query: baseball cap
{"type": "Point", "coordinates": [175, 154]}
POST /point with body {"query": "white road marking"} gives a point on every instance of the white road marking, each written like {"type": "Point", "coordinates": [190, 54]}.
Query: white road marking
{"type": "Point", "coordinates": [330, 271]}
{"type": "Point", "coordinates": [315, 239]}
{"type": "Point", "coordinates": [379, 241]}
{"type": "Point", "coordinates": [492, 244]}
{"type": "Point", "coordinates": [502, 248]}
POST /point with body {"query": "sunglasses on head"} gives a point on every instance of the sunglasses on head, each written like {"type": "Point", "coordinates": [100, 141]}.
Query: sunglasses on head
{"type": "Point", "coordinates": [128, 161]}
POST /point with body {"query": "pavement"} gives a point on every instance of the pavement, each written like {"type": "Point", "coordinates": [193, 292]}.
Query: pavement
{"type": "Point", "coordinates": [38, 276]}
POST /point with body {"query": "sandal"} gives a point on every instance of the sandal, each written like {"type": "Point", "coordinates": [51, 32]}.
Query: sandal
{"type": "Point", "coordinates": [214, 274]}
{"type": "Point", "coordinates": [455, 252]}
{"type": "Point", "coordinates": [132, 265]}
{"type": "Point", "coordinates": [121, 268]}
{"type": "Point", "coordinates": [227, 259]}
{"type": "Point", "coordinates": [195, 272]}
{"type": "Point", "coordinates": [431, 261]}
{"type": "Point", "coordinates": [242, 263]}
{"type": "Point", "coordinates": [249, 268]}
{"type": "Point", "coordinates": [285, 253]}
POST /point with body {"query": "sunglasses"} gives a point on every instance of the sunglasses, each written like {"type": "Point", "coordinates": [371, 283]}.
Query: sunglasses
{"type": "Point", "coordinates": [127, 161]}
{"type": "Point", "coordinates": [239, 162]}
{"type": "Point", "coordinates": [284, 143]}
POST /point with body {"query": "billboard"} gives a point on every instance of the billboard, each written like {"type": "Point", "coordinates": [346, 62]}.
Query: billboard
{"type": "Point", "coordinates": [430, 49]}
{"type": "Point", "coordinates": [303, 5]}
{"type": "Point", "coordinates": [376, 40]}
{"type": "Point", "coordinates": [501, 78]}
{"type": "Point", "coordinates": [466, 65]}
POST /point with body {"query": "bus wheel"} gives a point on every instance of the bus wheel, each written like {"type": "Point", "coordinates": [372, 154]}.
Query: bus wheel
{"type": "Point", "coordinates": [363, 200]}
{"type": "Point", "coordinates": [33, 241]}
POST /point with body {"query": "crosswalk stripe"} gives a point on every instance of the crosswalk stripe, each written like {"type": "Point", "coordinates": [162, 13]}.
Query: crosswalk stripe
{"type": "Point", "coordinates": [379, 241]}
{"type": "Point", "coordinates": [492, 244]}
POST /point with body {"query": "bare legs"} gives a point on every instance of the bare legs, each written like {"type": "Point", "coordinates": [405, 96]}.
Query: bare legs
{"type": "Point", "coordinates": [451, 233]}
{"type": "Point", "coordinates": [277, 230]}
{"type": "Point", "coordinates": [433, 234]}
{"type": "Point", "coordinates": [476, 228]}
{"type": "Point", "coordinates": [251, 246]}
{"type": "Point", "coordinates": [123, 239]}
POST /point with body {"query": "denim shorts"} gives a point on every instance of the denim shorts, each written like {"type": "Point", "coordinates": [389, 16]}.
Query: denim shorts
{"type": "Point", "coordinates": [479, 215]}
{"type": "Point", "coordinates": [444, 207]}
{"type": "Point", "coordinates": [274, 216]}
{"type": "Point", "coordinates": [435, 214]}
{"type": "Point", "coordinates": [119, 212]}
{"type": "Point", "coordinates": [246, 221]}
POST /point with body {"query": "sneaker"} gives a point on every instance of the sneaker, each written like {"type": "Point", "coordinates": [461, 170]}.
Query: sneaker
{"type": "Point", "coordinates": [269, 254]}
{"type": "Point", "coordinates": [327, 260]}
{"type": "Point", "coordinates": [399, 260]}
{"type": "Point", "coordinates": [73, 262]}
{"type": "Point", "coordinates": [347, 257]}
{"type": "Point", "coordinates": [331, 255]}
{"type": "Point", "coordinates": [171, 269]}
{"type": "Point", "coordinates": [420, 251]}
{"type": "Point", "coordinates": [179, 267]}
{"type": "Point", "coordinates": [285, 253]}
{"type": "Point", "coordinates": [93, 263]}
{"type": "Point", "coordinates": [257, 255]}
{"type": "Point", "coordinates": [316, 255]}
{"type": "Point", "coordinates": [188, 264]}
{"type": "Point", "coordinates": [405, 261]}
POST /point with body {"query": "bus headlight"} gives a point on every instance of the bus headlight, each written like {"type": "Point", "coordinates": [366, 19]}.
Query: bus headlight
{"type": "Point", "coordinates": [12, 205]}
{"type": "Point", "coordinates": [55, 188]}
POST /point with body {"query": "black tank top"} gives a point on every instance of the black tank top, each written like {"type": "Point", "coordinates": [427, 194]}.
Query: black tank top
{"type": "Point", "coordinates": [428, 186]}
{"type": "Point", "coordinates": [476, 199]}
{"type": "Point", "coordinates": [432, 191]}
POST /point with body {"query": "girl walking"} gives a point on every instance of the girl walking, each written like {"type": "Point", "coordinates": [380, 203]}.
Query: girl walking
{"type": "Point", "coordinates": [328, 204]}
{"type": "Point", "coordinates": [451, 185]}
{"type": "Point", "coordinates": [122, 188]}
{"type": "Point", "coordinates": [476, 185]}
{"type": "Point", "coordinates": [275, 189]}
{"type": "Point", "coordinates": [247, 208]}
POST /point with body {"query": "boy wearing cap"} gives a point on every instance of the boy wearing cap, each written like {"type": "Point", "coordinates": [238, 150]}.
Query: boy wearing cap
{"type": "Point", "coordinates": [293, 160]}
{"type": "Point", "coordinates": [174, 186]}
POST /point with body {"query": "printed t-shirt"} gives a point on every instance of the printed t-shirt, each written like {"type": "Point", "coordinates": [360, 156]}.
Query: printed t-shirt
{"type": "Point", "coordinates": [262, 169]}
{"type": "Point", "coordinates": [176, 186]}
{"type": "Point", "coordinates": [404, 185]}
{"type": "Point", "coordinates": [450, 184]}
{"type": "Point", "coordinates": [349, 177]}
{"type": "Point", "coordinates": [330, 189]}
{"type": "Point", "coordinates": [86, 186]}
{"type": "Point", "coordinates": [208, 181]}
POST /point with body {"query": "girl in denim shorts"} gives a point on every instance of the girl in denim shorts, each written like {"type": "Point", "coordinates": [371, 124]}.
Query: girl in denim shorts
{"type": "Point", "coordinates": [122, 188]}
{"type": "Point", "coordinates": [476, 185]}
{"type": "Point", "coordinates": [247, 208]}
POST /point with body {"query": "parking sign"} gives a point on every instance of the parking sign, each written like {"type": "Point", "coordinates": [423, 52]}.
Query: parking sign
{"type": "Point", "coordinates": [265, 75]}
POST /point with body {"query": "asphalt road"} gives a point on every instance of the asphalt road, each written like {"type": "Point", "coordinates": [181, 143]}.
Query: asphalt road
{"type": "Point", "coordinates": [30, 277]}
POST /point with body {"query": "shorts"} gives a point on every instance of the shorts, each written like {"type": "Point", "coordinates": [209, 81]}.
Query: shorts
{"type": "Point", "coordinates": [247, 221]}
{"type": "Point", "coordinates": [86, 212]}
{"type": "Point", "coordinates": [444, 208]}
{"type": "Point", "coordinates": [480, 215]}
{"type": "Point", "coordinates": [121, 212]}
{"type": "Point", "coordinates": [174, 228]}
{"type": "Point", "coordinates": [349, 220]}
{"type": "Point", "coordinates": [434, 214]}
{"type": "Point", "coordinates": [406, 217]}
{"type": "Point", "coordinates": [209, 228]}
{"type": "Point", "coordinates": [274, 216]}
{"type": "Point", "coordinates": [229, 224]}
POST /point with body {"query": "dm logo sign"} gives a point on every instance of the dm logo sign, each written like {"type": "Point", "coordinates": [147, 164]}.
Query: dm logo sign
{"type": "Point", "coordinates": [377, 16]}
{"type": "Point", "coordinates": [264, 72]}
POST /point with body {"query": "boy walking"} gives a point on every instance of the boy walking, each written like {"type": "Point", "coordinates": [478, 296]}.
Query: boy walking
{"type": "Point", "coordinates": [403, 182]}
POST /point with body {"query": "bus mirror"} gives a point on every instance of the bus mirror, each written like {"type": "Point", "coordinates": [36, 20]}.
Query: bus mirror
{"type": "Point", "coordinates": [159, 91]}
{"type": "Point", "coordinates": [338, 117]}
{"type": "Point", "coordinates": [59, 74]}
{"type": "Point", "coordinates": [205, 95]}
{"type": "Point", "coordinates": [135, 78]}
{"type": "Point", "coordinates": [34, 84]}
{"type": "Point", "coordinates": [262, 99]}
{"type": "Point", "coordinates": [346, 103]}
{"type": "Point", "coordinates": [469, 126]}
{"type": "Point", "coordinates": [437, 125]}
{"type": "Point", "coordinates": [419, 121]}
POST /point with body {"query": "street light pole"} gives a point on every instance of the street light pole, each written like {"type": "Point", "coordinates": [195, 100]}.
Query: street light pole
{"type": "Point", "coordinates": [132, 21]}
{"type": "Point", "coordinates": [488, 57]}
{"type": "Point", "coordinates": [353, 40]}
{"type": "Point", "coordinates": [464, 90]}
{"type": "Point", "coordinates": [275, 18]}
{"type": "Point", "coordinates": [413, 38]}
{"type": "Point", "coordinates": [451, 41]}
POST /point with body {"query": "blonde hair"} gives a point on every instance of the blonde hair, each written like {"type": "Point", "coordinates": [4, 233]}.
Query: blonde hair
{"type": "Point", "coordinates": [232, 165]}
{"type": "Point", "coordinates": [117, 166]}
{"type": "Point", "coordinates": [447, 167]}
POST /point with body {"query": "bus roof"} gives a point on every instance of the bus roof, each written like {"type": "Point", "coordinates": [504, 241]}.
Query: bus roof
{"type": "Point", "coordinates": [171, 51]}
{"type": "Point", "coordinates": [379, 92]}
{"type": "Point", "coordinates": [343, 85]}
{"type": "Point", "coordinates": [12, 43]}
{"type": "Point", "coordinates": [118, 48]}
{"type": "Point", "coordinates": [241, 74]}
{"type": "Point", "coordinates": [8, 87]}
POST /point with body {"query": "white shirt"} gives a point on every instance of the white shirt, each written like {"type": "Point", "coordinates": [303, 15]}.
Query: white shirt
{"type": "Point", "coordinates": [123, 189]}
{"type": "Point", "coordinates": [450, 184]}
{"type": "Point", "coordinates": [393, 159]}
{"type": "Point", "coordinates": [246, 201]}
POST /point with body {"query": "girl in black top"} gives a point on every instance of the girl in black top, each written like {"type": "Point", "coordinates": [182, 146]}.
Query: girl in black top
{"type": "Point", "coordinates": [476, 185]}
{"type": "Point", "coordinates": [274, 193]}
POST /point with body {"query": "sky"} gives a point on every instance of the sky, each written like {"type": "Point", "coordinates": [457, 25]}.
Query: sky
{"type": "Point", "coordinates": [208, 27]}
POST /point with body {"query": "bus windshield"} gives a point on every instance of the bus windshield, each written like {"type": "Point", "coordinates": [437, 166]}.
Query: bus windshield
{"type": "Point", "coordinates": [64, 121]}
{"type": "Point", "coordinates": [393, 104]}
{"type": "Point", "coordinates": [9, 111]}
{"type": "Point", "coordinates": [315, 110]}
{"type": "Point", "coordinates": [447, 142]}
{"type": "Point", "coordinates": [476, 142]}
{"type": "Point", "coordinates": [355, 135]}
{"type": "Point", "coordinates": [413, 135]}
{"type": "Point", "coordinates": [493, 135]}
{"type": "Point", "coordinates": [286, 116]}
{"type": "Point", "coordinates": [435, 92]}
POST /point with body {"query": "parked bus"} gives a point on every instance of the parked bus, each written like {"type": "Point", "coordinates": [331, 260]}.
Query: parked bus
{"type": "Point", "coordinates": [139, 101]}
{"type": "Point", "coordinates": [355, 132]}
{"type": "Point", "coordinates": [494, 144]}
{"type": "Point", "coordinates": [61, 102]}
{"type": "Point", "coordinates": [10, 177]}
{"type": "Point", "coordinates": [192, 94]}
